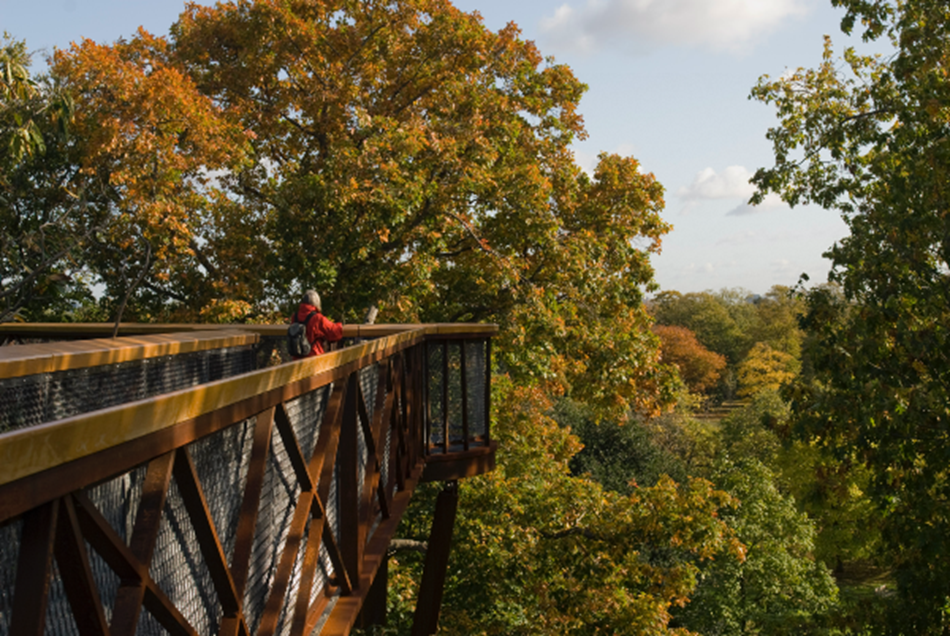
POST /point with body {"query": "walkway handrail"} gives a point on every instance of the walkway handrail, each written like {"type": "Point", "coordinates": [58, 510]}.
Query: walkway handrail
{"type": "Point", "coordinates": [368, 444]}
{"type": "Point", "coordinates": [49, 357]}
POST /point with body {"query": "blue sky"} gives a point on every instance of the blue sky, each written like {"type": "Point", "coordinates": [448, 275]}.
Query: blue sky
{"type": "Point", "coordinates": [668, 83]}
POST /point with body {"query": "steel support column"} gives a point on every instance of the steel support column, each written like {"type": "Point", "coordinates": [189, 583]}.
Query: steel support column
{"type": "Point", "coordinates": [426, 619]}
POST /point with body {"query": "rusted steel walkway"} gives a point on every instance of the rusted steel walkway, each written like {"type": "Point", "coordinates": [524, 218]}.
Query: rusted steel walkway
{"type": "Point", "coordinates": [184, 486]}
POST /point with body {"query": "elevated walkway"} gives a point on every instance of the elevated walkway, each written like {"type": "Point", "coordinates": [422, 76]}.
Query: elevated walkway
{"type": "Point", "coordinates": [180, 479]}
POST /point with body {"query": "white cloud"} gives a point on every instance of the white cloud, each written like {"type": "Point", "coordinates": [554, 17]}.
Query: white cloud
{"type": "Point", "coordinates": [641, 25]}
{"type": "Point", "coordinates": [732, 183]}
{"type": "Point", "coordinates": [771, 202]}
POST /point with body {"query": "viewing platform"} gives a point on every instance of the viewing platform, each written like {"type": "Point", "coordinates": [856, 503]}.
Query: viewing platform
{"type": "Point", "coordinates": [189, 479]}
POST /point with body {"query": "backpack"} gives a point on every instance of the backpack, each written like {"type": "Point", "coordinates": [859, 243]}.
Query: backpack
{"type": "Point", "coordinates": [297, 343]}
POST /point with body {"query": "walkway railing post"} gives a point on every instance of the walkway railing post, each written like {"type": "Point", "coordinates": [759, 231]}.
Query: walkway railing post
{"type": "Point", "coordinates": [352, 539]}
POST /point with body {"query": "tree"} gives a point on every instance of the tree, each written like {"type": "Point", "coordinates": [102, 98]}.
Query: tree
{"type": "Point", "coordinates": [764, 368]}
{"type": "Point", "coordinates": [620, 456]}
{"type": "Point", "coordinates": [43, 220]}
{"type": "Point", "coordinates": [401, 154]}
{"type": "Point", "coordinates": [779, 588]}
{"type": "Point", "coordinates": [389, 153]}
{"type": "Point", "coordinates": [538, 551]}
{"type": "Point", "coordinates": [707, 316]}
{"type": "Point", "coordinates": [867, 137]}
{"type": "Point", "coordinates": [698, 367]}
{"type": "Point", "coordinates": [830, 491]}
{"type": "Point", "coordinates": [150, 145]}
{"type": "Point", "coordinates": [776, 321]}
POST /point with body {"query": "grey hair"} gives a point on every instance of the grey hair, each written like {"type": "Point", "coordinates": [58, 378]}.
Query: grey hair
{"type": "Point", "coordinates": [311, 297]}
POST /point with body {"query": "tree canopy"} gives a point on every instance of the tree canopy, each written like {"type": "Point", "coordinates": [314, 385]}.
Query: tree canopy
{"type": "Point", "coordinates": [698, 367]}
{"type": "Point", "coordinates": [396, 154]}
{"type": "Point", "coordinates": [43, 219]}
{"type": "Point", "coordinates": [867, 136]}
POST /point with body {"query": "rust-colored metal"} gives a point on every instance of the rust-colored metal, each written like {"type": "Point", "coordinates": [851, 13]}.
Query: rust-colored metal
{"type": "Point", "coordinates": [401, 450]}
{"type": "Point", "coordinates": [131, 593]}
{"type": "Point", "coordinates": [398, 413]}
{"type": "Point", "coordinates": [66, 331]}
{"type": "Point", "coordinates": [415, 398]}
{"type": "Point", "coordinates": [344, 613]}
{"type": "Point", "coordinates": [348, 484]}
{"type": "Point", "coordinates": [292, 446]}
{"type": "Point", "coordinates": [120, 559]}
{"type": "Point", "coordinates": [373, 611]}
{"type": "Point", "coordinates": [186, 478]}
{"type": "Point", "coordinates": [342, 577]}
{"type": "Point", "coordinates": [35, 449]}
{"type": "Point", "coordinates": [488, 392]}
{"type": "Point", "coordinates": [254, 483]}
{"type": "Point", "coordinates": [326, 449]}
{"type": "Point", "coordinates": [23, 360]}
{"type": "Point", "coordinates": [310, 562]}
{"type": "Point", "coordinates": [426, 374]}
{"type": "Point", "coordinates": [73, 561]}
{"type": "Point", "coordinates": [33, 569]}
{"type": "Point", "coordinates": [426, 619]}
{"type": "Point", "coordinates": [285, 567]}
{"type": "Point", "coordinates": [461, 464]}
{"type": "Point", "coordinates": [327, 441]}
{"type": "Point", "coordinates": [385, 396]}
{"type": "Point", "coordinates": [23, 494]}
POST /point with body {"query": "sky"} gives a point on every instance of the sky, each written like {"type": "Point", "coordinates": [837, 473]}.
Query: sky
{"type": "Point", "coordinates": [668, 83]}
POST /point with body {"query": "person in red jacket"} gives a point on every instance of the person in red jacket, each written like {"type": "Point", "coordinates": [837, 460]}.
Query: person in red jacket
{"type": "Point", "coordinates": [320, 330]}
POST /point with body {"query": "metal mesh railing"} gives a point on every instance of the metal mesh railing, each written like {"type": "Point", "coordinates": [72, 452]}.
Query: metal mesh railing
{"type": "Point", "coordinates": [9, 548]}
{"type": "Point", "coordinates": [455, 388]}
{"type": "Point", "coordinates": [47, 397]}
{"type": "Point", "coordinates": [178, 567]}
{"type": "Point", "coordinates": [455, 404]}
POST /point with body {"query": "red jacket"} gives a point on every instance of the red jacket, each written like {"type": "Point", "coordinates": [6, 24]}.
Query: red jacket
{"type": "Point", "coordinates": [319, 330]}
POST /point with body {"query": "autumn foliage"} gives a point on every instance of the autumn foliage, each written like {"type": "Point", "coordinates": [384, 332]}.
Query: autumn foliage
{"type": "Point", "coordinates": [403, 155]}
{"type": "Point", "coordinates": [698, 367]}
{"type": "Point", "coordinates": [396, 154]}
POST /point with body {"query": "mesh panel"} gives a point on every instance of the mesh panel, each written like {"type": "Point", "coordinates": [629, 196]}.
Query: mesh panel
{"type": "Point", "coordinates": [222, 461]}
{"type": "Point", "coordinates": [475, 384]}
{"type": "Point", "coordinates": [369, 381]}
{"type": "Point", "coordinates": [118, 500]}
{"type": "Point", "coordinates": [22, 401]}
{"type": "Point", "coordinates": [106, 581]}
{"type": "Point", "coordinates": [436, 408]}
{"type": "Point", "coordinates": [444, 394]}
{"type": "Point", "coordinates": [305, 414]}
{"type": "Point", "coordinates": [179, 568]}
{"type": "Point", "coordinates": [278, 497]}
{"type": "Point", "coordinates": [333, 504]}
{"type": "Point", "coordinates": [149, 625]}
{"type": "Point", "coordinates": [59, 616]}
{"type": "Point", "coordinates": [286, 620]}
{"type": "Point", "coordinates": [455, 393]}
{"type": "Point", "coordinates": [9, 549]}
{"type": "Point", "coordinates": [387, 449]}
{"type": "Point", "coordinates": [46, 397]}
